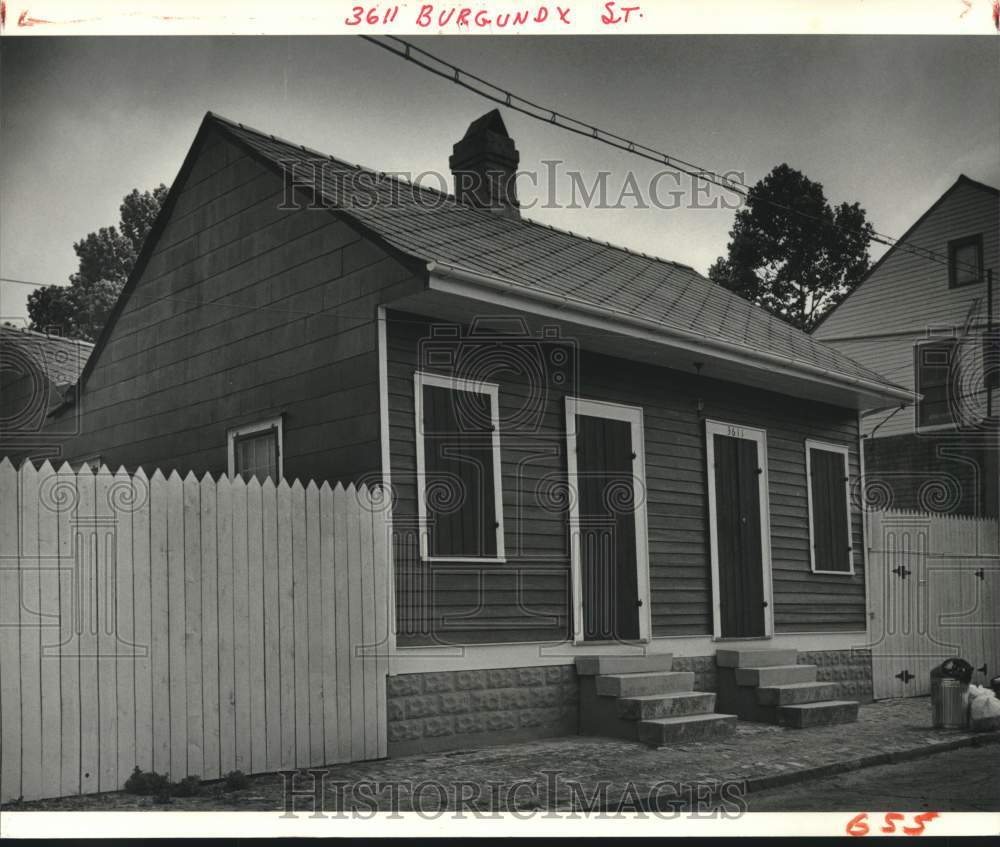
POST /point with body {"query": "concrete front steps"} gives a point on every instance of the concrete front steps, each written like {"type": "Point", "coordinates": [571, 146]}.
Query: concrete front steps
{"type": "Point", "coordinates": [641, 698]}
{"type": "Point", "coordinates": [769, 686]}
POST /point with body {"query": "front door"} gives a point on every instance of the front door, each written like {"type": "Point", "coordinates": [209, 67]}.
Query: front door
{"type": "Point", "coordinates": [609, 524]}
{"type": "Point", "coordinates": [740, 547]}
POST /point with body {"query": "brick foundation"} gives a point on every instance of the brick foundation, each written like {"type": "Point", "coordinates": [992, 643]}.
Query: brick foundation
{"type": "Point", "coordinates": [454, 709]}
{"type": "Point", "coordinates": [451, 710]}
{"type": "Point", "coordinates": [850, 669]}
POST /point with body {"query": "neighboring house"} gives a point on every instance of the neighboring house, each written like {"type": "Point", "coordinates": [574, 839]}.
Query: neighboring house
{"type": "Point", "coordinates": [923, 322]}
{"type": "Point", "coordinates": [589, 449]}
{"type": "Point", "coordinates": [36, 372]}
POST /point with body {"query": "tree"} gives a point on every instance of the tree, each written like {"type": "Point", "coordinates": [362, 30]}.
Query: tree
{"type": "Point", "coordinates": [791, 252]}
{"type": "Point", "coordinates": [106, 258]}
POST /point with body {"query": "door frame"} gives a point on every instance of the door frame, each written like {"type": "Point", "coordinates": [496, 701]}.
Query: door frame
{"type": "Point", "coordinates": [633, 416]}
{"type": "Point", "coordinates": [735, 430]}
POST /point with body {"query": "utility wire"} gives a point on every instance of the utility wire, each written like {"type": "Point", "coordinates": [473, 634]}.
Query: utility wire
{"type": "Point", "coordinates": [498, 94]}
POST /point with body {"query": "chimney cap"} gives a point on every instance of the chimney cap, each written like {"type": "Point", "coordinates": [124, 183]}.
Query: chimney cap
{"type": "Point", "coordinates": [490, 122]}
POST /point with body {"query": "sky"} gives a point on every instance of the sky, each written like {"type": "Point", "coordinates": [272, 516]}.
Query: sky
{"type": "Point", "coordinates": [887, 121]}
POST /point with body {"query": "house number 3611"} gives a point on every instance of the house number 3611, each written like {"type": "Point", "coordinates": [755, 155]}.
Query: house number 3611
{"type": "Point", "coordinates": [734, 432]}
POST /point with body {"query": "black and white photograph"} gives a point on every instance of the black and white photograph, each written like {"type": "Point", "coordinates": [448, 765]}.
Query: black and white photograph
{"type": "Point", "coordinates": [499, 418]}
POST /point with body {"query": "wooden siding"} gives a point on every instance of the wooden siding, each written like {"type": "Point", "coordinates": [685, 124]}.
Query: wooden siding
{"type": "Point", "coordinates": [527, 598]}
{"type": "Point", "coordinates": [245, 311]}
{"type": "Point", "coordinates": [907, 297]}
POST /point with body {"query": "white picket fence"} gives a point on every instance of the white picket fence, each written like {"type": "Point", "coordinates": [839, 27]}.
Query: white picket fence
{"type": "Point", "coordinates": [186, 626]}
{"type": "Point", "coordinates": [934, 592]}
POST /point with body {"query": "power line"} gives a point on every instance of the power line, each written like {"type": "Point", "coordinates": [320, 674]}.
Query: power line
{"type": "Point", "coordinates": [502, 96]}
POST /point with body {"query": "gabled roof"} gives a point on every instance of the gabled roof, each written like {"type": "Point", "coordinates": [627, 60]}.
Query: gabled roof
{"type": "Point", "coordinates": [432, 228]}
{"type": "Point", "coordinates": [962, 180]}
{"type": "Point", "coordinates": [435, 227]}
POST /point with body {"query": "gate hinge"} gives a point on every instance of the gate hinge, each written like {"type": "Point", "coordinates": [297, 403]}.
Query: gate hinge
{"type": "Point", "coordinates": [905, 675]}
{"type": "Point", "coordinates": [901, 571]}
{"type": "Point", "coordinates": [980, 573]}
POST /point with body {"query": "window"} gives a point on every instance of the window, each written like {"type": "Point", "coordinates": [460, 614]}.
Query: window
{"type": "Point", "coordinates": [828, 481]}
{"type": "Point", "coordinates": [255, 450]}
{"type": "Point", "coordinates": [459, 503]}
{"type": "Point", "coordinates": [934, 375]}
{"type": "Point", "coordinates": [965, 261]}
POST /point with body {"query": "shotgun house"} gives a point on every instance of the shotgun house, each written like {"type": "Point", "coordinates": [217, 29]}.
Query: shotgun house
{"type": "Point", "coordinates": [623, 499]}
{"type": "Point", "coordinates": [930, 323]}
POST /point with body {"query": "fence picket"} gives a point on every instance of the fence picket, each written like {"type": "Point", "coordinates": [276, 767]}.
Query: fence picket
{"type": "Point", "coordinates": [241, 622]}
{"type": "Point", "coordinates": [286, 627]}
{"type": "Point", "coordinates": [66, 498]}
{"type": "Point", "coordinates": [192, 625]}
{"type": "Point", "coordinates": [31, 673]}
{"type": "Point", "coordinates": [300, 610]}
{"type": "Point", "coordinates": [272, 626]}
{"type": "Point", "coordinates": [366, 652]}
{"type": "Point", "coordinates": [255, 610]}
{"type": "Point", "coordinates": [121, 503]}
{"type": "Point", "coordinates": [343, 639]}
{"type": "Point", "coordinates": [10, 642]}
{"type": "Point", "coordinates": [48, 552]}
{"type": "Point", "coordinates": [227, 627]}
{"type": "Point", "coordinates": [142, 606]}
{"type": "Point", "coordinates": [209, 627]}
{"type": "Point", "coordinates": [314, 603]}
{"type": "Point", "coordinates": [329, 654]}
{"type": "Point", "coordinates": [356, 639]}
{"type": "Point", "coordinates": [159, 585]}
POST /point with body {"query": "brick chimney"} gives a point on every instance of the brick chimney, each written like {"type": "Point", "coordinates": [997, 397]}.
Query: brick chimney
{"type": "Point", "coordinates": [484, 164]}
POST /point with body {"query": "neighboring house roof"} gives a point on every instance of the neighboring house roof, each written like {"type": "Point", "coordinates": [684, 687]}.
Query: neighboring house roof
{"type": "Point", "coordinates": [435, 229]}
{"type": "Point", "coordinates": [60, 360]}
{"type": "Point", "coordinates": [962, 180]}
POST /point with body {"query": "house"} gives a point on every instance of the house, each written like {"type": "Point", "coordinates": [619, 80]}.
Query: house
{"type": "Point", "coordinates": [36, 372]}
{"type": "Point", "coordinates": [924, 323]}
{"type": "Point", "coordinates": [597, 458]}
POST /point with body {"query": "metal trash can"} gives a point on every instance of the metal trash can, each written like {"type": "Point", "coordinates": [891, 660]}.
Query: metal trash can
{"type": "Point", "coordinates": [949, 709]}
{"type": "Point", "coordinates": [949, 694]}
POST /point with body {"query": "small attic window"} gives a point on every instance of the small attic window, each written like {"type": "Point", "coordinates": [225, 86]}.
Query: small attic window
{"type": "Point", "coordinates": [965, 261]}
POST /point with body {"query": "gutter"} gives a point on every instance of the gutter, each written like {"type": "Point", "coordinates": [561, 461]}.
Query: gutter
{"type": "Point", "coordinates": [697, 340]}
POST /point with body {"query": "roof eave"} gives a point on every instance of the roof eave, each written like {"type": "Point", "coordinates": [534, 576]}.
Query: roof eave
{"type": "Point", "coordinates": [870, 393]}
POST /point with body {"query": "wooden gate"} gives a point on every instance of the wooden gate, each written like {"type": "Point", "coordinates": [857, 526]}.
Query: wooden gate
{"type": "Point", "coordinates": [186, 626]}
{"type": "Point", "coordinates": [934, 592]}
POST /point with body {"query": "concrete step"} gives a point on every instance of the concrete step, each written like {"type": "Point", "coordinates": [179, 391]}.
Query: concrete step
{"type": "Point", "coordinates": [822, 713]}
{"type": "Point", "coordinates": [775, 675]}
{"type": "Point", "coordinates": [796, 693]}
{"type": "Point", "coordinates": [650, 706]}
{"type": "Point", "coordinates": [600, 665]}
{"type": "Point", "coordinates": [660, 731]}
{"type": "Point", "coordinates": [635, 684]}
{"type": "Point", "coordinates": [756, 657]}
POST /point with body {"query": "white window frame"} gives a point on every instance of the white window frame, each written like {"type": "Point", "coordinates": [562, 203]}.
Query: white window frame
{"type": "Point", "coordinates": [814, 444]}
{"type": "Point", "coordinates": [249, 429]}
{"type": "Point", "coordinates": [735, 430]}
{"type": "Point", "coordinates": [633, 416]}
{"type": "Point", "coordinates": [491, 390]}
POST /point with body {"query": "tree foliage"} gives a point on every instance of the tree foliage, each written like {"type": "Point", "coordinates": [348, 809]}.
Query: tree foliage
{"type": "Point", "coordinates": [106, 258]}
{"type": "Point", "coordinates": [791, 251]}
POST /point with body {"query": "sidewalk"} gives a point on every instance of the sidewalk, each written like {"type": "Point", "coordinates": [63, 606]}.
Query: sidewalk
{"type": "Point", "coordinates": [562, 773]}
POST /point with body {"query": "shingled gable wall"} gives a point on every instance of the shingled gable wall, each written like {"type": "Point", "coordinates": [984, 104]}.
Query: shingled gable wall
{"type": "Point", "coordinates": [244, 311]}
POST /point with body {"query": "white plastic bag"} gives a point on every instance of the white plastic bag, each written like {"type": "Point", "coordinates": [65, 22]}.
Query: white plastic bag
{"type": "Point", "coordinates": [984, 709]}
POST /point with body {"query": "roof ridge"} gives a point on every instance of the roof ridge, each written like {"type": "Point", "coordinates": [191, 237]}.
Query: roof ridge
{"type": "Point", "coordinates": [531, 222]}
